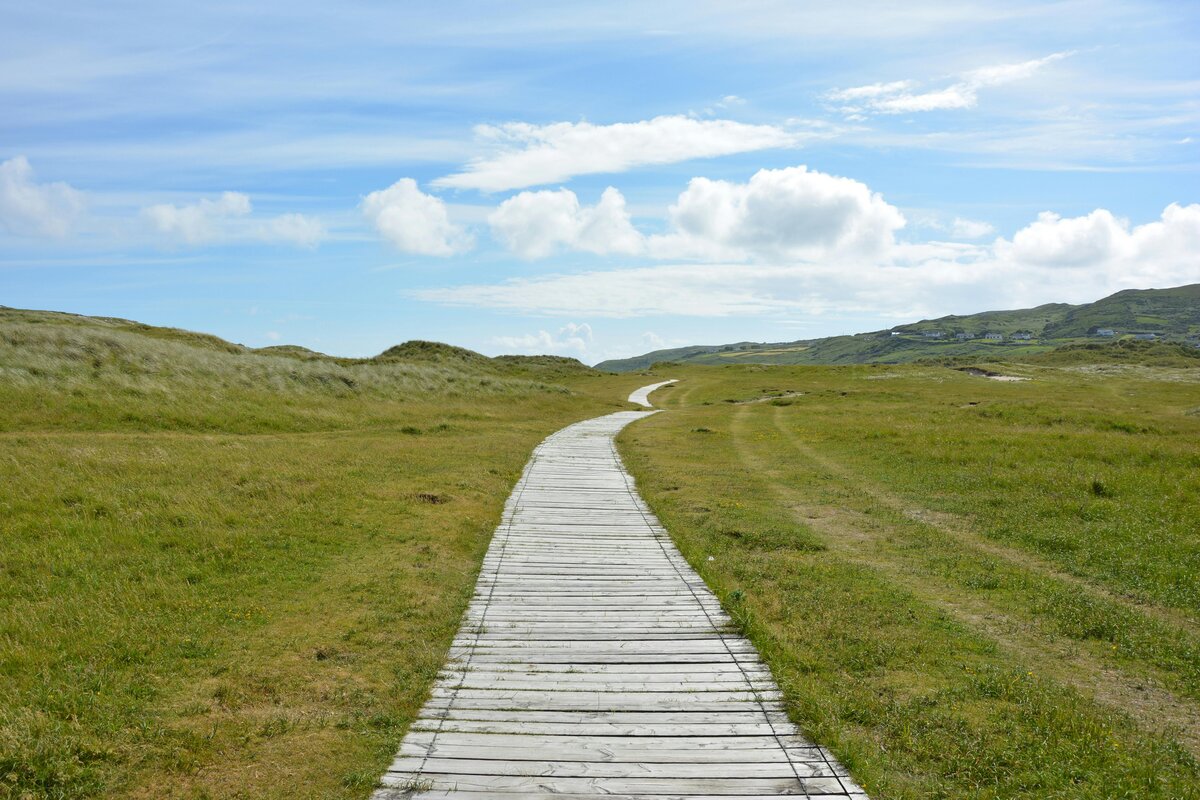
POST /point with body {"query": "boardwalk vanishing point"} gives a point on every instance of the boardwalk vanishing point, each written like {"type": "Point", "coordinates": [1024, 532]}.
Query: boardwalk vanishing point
{"type": "Point", "coordinates": [594, 662]}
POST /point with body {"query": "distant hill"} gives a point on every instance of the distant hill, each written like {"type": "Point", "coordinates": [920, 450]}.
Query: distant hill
{"type": "Point", "coordinates": [134, 348]}
{"type": "Point", "coordinates": [1169, 314]}
{"type": "Point", "coordinates": [434, 353]}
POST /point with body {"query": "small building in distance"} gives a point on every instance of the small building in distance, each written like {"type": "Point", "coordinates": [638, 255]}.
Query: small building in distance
{"type": "Point", "coordinates": [933, 334]}
{"type": "Point", "coordinates": [1105, 332]}
{"type": "Point", "coordinates": [964, 336]}
{"type": "Point", "coordinates": [995, 337]}
{"type": "Point", "coordinates": [1024, 337]}
{"type": "Point", "coordinates": [1146, 337]}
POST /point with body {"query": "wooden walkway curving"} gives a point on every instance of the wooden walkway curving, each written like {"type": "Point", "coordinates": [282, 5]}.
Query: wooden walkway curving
{"type": "Point", "coordinates": [594, 662]}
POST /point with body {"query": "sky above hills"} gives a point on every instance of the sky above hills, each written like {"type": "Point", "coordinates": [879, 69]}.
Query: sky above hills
{"type": "Point", "coordinates": [594, 181]}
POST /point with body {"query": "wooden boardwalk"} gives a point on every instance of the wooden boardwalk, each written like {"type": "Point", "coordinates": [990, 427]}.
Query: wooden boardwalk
{"type": "Point", "coordinates": [594, 662]}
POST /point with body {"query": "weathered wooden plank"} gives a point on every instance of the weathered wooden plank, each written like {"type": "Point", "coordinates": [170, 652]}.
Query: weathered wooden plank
{"type": "Point", "coordinates": [604, 786]}
{"type": "Point", "coordinates": [527, 794]}
{"type": "Point", "coordinates": [452, 794]}
{"type": "Point", "coordinates": [700, 767]}
{"type": "Point", "coordinates": [585, 730]}
{"type": "Point", "coordinates": [550, 701]}
{"type": "Point", "coordinates": [609, 747]}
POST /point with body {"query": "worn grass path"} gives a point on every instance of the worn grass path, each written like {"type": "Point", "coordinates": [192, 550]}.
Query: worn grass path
{"type": "Point", "coordinates": [594, 662]}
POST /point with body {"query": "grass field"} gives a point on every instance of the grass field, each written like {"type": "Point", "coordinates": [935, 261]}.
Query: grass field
{"type": "Point", "coordinates": [967, 588]}
{"type": "Point", "coordinates": [234, 574]}
{"type": "Point", "coordinates": [228, 573]}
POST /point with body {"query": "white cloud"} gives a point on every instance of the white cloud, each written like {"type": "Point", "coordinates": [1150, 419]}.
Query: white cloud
{"type": "Point", "coordinates": [1054, 259]}
{"type": "Point", "coordinates": [532, 155]}
{"type": "Point", "coordinates": [1055, 241]}
{"type": "Point", "coordinates": [899, 97]}
{"type": "Point", "coordinates": [296, 229]}
{"type": "Point", "coordinates": [956, 228]}
{"type": "Point", "coordinates": [570, 338]}
{"type": "Point", "coordinates": [413, 221]}
{"type": "Point", "coordinates": [1159, 253]}
{"type": "Point", "coordinates": [960, 95]}
{"type": "Point", "coordinates": [28, 208]}
{"type": "Point", "coordinates": [200, 222]}
{"type": "Point", "coordinates": [970, 229]}
{"type": "Point", "coordinates": [536, 224]}
{"type": "Point", "coordinates": [225, 219]}
{"type": "Point", "coordinates": [705, 290]}
{"type": "Point", "coordinates": [783, 214]}
{"type": "Point", "coordinates": [870, 90]}
{"type": "Point", "coordinates": [653, 341]}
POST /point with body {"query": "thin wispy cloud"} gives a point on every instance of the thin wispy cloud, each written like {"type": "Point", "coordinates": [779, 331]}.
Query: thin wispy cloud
{"type": "Point", "coordinates": [907, 96]}
{"type": "Point", "coordinates": [522, 154]}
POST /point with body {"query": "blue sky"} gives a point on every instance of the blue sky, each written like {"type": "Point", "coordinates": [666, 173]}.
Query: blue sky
{"type": "Point", "coordinates": [595, 181]}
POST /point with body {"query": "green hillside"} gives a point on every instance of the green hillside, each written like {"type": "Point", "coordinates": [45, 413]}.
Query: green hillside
{"type": "Point", "coordinates": [1171, 314]}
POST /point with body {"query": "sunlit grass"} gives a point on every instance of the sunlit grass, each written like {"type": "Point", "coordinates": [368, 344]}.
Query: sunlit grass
{"type": "Point", "coordinates": [967, 588]}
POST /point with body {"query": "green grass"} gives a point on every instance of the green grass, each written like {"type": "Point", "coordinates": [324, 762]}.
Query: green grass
{"type": "Point", "coordinates": [966, 588]}
{"type": "Point", "coordinates": [228, 572]}
{"type": "Point", "coordinates": [235, 573]}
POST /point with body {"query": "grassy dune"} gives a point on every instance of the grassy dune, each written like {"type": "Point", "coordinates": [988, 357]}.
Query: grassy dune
{"type": "Point", "coordinates": [967, 588]}
{"type": "Point", "coordinates": [234, 573]}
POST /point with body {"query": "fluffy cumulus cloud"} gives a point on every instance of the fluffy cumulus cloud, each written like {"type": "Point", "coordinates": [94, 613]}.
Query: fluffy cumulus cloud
{"type": "Point", "coordinates": [297, 229]}
{"type": "Point", "coordinates": [1055, 241]}
{"type": "Point", "coordinates": [1052, 259]}
{"type": "Point", "coordinates": [532, 155]}
{"type": "Point", "coordinates": [413, 221]}
{"type": "Point", "coordinates": [29, 208]}
{"type": "Point", "coordinates": [781, 214]}
{"type": "Point", "coordinates": [537, 224]}
{"type": "Point", "coordinates": [574, 338]}
{"type": "Point", "coordinates": [904, 97]}
{"type": "Point", "coordinates": [201, 222]}
{"type": "Point", "coordinates": [1160, 253]}
{"type": "Point", "coordinates": [227, 219]}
